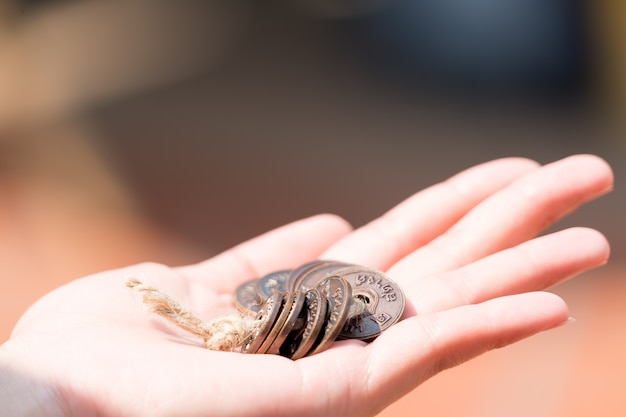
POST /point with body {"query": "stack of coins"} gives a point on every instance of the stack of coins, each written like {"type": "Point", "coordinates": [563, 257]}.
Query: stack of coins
{"type": "Point", "coordinates": [303, 311]}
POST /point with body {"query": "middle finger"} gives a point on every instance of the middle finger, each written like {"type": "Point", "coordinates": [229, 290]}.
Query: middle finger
{"type": "Point", "coordinates": [531, 266]}
{"type": "Point", "coordinates": [510, 216]}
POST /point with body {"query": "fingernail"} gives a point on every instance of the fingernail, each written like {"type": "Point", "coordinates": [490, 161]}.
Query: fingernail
{"type": "Point", "coordinates": [569, 320]}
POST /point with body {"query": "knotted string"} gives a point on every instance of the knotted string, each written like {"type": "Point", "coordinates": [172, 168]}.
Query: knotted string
{"type": "Point", "coordinates": [226, 333]}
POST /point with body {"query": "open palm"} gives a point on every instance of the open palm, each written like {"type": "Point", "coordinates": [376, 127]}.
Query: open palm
{"type": "Point", "coordinates": [464, 251]}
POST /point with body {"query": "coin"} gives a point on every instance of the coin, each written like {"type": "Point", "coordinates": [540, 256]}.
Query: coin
{"type": "Point", "coordinates": [248, 300]}
{"type": "Point", "coordinates": [302, 311]}
{"type": "Point", "coordinates": [338, 295]}
{"type": "Point", "coordinates": [292, 313]}
{"type": "Point", "coordinates": [312, 276]}
{"type": "Point", "coordinates": [287, 301]}
{"type": "Point", "coordinates": [299, 344]}
{"type": "Point", "coordinates": [293, 276]}
{"type": "Point", "coordinates": [275, 281]}
{"type": "Point", "coordinates": [384, 303]}
{"type": "Point", "coordinates": [267, 316]}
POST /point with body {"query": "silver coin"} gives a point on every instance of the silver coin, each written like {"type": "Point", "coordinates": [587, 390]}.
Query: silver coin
{"type": "Point", "coordinates": [383, 298]}
{"type": "Point", "coordinates": [296, 273]}
{"type": "Point", "coordinates": [247, 298]}
{"type": "Point", "coordinates": [298, 345]}
{"type": "Point", "coordinates": [338, 295]}
{"type": "Point", "coordinates": [318, 273]}
{"type": "Point", "coordinates": [293, 313]}
{"type": "Point", "coordinates": [276, 281]}
{"type": "Point", "coordinates": [283, 314]}
{"type": "Point", "coordinates": [266, 317]}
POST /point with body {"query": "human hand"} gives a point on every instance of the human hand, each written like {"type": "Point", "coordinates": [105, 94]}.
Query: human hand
{"type": "Point", "coordinates": [464, 252]}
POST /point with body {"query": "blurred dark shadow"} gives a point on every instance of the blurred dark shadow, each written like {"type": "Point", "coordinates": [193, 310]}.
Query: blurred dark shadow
{"type": "Point", "coordinates": [386, 104]}
{"type": "Point", "coordinates": [486, 48]}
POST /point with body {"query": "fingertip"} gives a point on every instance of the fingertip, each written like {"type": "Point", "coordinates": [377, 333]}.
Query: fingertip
{"type": "Point", "coordinates": [492, 175]}
{"type": "Point", "coordinates": [550, 309]}
{"type": "Point", "coordinates": [518, 161]}
{"type": "Point", "coordinates": [511, 167]}
{"type": "Point", "coordinates": [596, 167]}
{"type": "Point", "coordinates": [591, 160]}
{"type": "Point", "coordinates": [333, 221]}
{"type": "Point", "coordinates": [595, 242]}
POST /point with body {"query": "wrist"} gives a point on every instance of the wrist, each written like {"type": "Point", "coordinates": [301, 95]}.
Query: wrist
{"type": "Point", "coordinates": [23, 393]}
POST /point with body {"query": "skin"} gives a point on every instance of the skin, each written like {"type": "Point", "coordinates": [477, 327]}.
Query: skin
{"type": "Point", "coordinates": [465, 252]}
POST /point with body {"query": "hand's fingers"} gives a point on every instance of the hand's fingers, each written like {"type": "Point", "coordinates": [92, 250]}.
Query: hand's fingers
{"type": "Point", "coordinates": [417, 348]}
{"type": "Point", "coordinates": [282, 248]}
{"type": "Point", "coordinates": [531, 266]}
{"type": "Point", "coordinates": [426, 215]}
{"type": "Point", "coordinates": [511, 216]}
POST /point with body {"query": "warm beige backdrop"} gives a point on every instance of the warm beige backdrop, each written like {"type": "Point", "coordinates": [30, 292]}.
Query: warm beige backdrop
{"type": "Point", "coordinates": [169, 132]}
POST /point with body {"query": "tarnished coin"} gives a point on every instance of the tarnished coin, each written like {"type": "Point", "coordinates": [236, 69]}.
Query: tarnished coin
{"type": "Point", "coordinates": [317, 273]}
{"type": "Point", "coordinates": [267, 316]}
{"type": "Point", "coordinates": [248, 300]}
{"type": "Point", "coordinates": [293, 313]}
{"type": "Point", "coordinates": [276, 281]}
{"type": "Point", "coordinates": [296, 273]}
{"type": "Point", "coordinates": [339, 297]}
{"type": "Point", "coordinates": [283, 314]}
{"type": "Point", "coordinates": [299, 344]}
{"type": "Point", "coordinates": [301, 312]}
{"type": "Point", "coordinates": [384, 303]}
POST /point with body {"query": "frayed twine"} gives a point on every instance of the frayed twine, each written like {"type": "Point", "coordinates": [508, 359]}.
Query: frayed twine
{"type": "Point", "coordinates": [226, 333]}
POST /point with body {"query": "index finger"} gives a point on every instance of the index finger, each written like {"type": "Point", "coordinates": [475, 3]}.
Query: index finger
{"type": "Point", "coordinates": [426, 215]}
{"type": "Point", "coordinates": [281, 248]}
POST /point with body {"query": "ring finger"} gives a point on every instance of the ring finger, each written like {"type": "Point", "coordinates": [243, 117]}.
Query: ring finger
{"type": "Point", "coordinates": [532, 266]}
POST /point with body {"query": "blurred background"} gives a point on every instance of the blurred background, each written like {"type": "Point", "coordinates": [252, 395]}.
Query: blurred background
{"type": "Point", "coordinates": [169, 131]}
